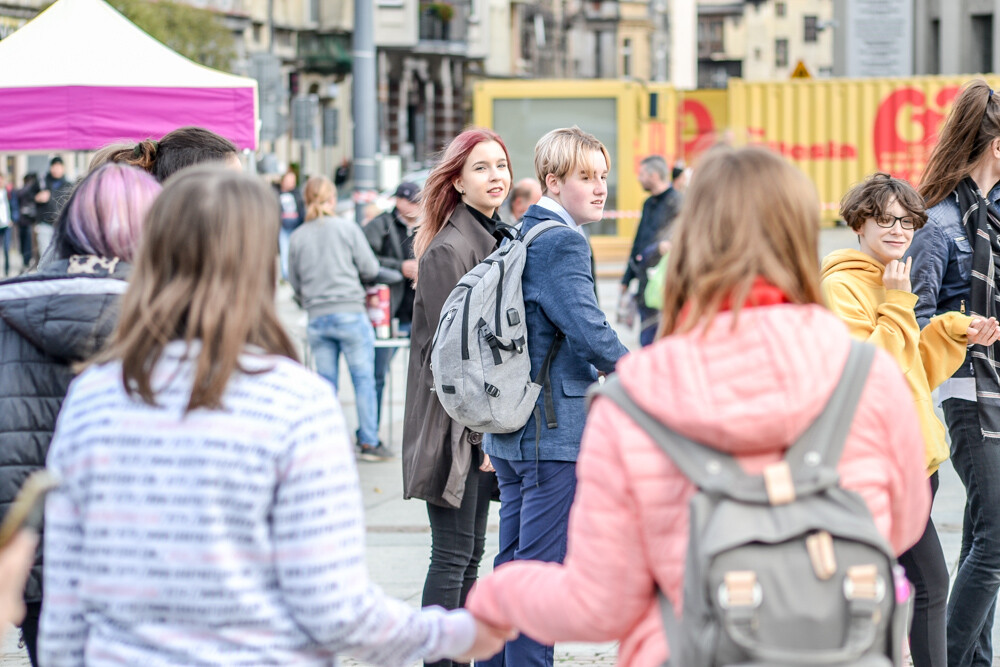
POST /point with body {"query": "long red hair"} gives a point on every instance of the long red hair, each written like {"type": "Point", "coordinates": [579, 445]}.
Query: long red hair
{"type": "Point", "coordinates": [439, 197]}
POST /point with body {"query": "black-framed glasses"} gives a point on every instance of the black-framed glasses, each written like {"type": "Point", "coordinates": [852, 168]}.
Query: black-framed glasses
{"type": "Point", "coordinates": [888, 221]}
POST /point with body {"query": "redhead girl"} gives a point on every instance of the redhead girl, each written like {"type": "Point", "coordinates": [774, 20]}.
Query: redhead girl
{"type": "Point", "coordinates": [443, 462]}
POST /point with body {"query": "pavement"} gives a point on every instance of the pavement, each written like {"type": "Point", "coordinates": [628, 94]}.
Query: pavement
{"type": "Point", "coordinates": [398, 534]}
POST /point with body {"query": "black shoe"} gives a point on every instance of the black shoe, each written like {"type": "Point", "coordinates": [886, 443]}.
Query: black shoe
{"type": "Point", "coordinates": [375, 453]}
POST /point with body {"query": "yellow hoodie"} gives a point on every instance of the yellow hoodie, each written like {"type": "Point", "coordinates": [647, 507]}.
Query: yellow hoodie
{"type": "Point", "coordinates": [853, 290]}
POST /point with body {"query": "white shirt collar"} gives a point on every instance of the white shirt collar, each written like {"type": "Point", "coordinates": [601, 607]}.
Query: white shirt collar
{"type": "Point", "coordinates": [551, 204]}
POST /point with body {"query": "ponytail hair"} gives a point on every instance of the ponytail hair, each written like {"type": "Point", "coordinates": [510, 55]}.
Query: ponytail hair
{"type": "Point", "coordinates": [319, 193]}
{"type": "Point", "coordinates": [439, 197]}
{"type": "Point", "coordinates": [973, 123]}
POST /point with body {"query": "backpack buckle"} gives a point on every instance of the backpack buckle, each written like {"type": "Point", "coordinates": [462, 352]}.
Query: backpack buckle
{"type": "Point", "coordinates": [779, 484]}
{"type": "Point", "coordinates": [864, 583]}
{"type": "Point", "coordinates": [740, 588]}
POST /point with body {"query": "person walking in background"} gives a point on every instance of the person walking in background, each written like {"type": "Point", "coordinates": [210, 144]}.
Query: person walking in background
{"type": "Point", "coordinates": [244, 497]}
{"type": "Point", "coordinates": [58, 317]}
{"type": "Point", "coordinates": [745, 361]}
{"type": "Point", "coordinates": [571, 342]}
{"type": "Point", "coordinates": [53, 191]}
{"type": "Point", "coordinates": [443, 463]}
{"type": "Point", "coordinates": [391, 238]}
{"type": "Point", "coordinates": [293, 214]}
{"type": "Point", "coordinates": [328, 259]}
{"type": "Point", "coordinates": [658, 213]}
{"type": "Point", "coordinates": [8, 209]}
{"type": "Point", "coordinates": [28, 215]}
{"type": "Point", "coordinates": [869, 289]}
{"type": "Point", "coordinates": [953, 270]}
{"type": "Point", "coordinates": [525, 193]}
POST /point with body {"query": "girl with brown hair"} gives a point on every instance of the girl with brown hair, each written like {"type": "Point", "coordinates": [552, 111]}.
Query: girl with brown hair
{"type": "Point", "coordinates": [209, 505]}
{"type": "Point", "coordinates": [954, 269]}
{"type": "Point", "coordinates": [443, 462]}
{"type": "Point", "coordinates": [746, 359]}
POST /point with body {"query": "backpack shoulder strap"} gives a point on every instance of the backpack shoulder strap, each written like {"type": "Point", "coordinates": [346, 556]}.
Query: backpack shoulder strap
{"type": "Point", "coordinates": [708, 469]}
{"type": "Point", "coordinates": [824, 440]}
{"type": "Point", "coordinates": [539, 229]}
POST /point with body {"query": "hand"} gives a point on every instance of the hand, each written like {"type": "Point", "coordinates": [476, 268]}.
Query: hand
{"type": "Point", "coordinates": [409, 269]}
{"type": "Point", "coordinates": [983, 331]}
{"type": "Point", "coordinates": [43, 197]}
{"type": "Point", "coordinates": [664, 247]}
{"type": "Point", "coordinates": [487, 466]}
{"type": "Point", "coordinates": [489, 642]}
{"type": "Point", "coordinates": [16, 560]}
{"type": "Point", "coordinates": [897, 275]}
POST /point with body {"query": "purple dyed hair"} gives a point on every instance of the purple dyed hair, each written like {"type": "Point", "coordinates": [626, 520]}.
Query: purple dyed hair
{"type": "Point", "coordinates": [105, 214]}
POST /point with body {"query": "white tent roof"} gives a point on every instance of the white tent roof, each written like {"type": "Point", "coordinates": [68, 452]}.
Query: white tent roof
{"type": "Point", "coordinates": [88, 43]}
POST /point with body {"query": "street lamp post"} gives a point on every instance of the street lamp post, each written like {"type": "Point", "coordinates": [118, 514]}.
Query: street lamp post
{"type": "Point", "coordinates": [363, 92]}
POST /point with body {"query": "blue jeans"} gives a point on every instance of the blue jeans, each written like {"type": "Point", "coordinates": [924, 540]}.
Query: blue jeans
{"type": "Point", "coordinates": [974, 594]}
{"type": "Point", "coordinates": [535, 497]}
{"type": "Point", "coordinates": [283, 236]}
{"type": "Point", "coordinates": [383, 358]}
{"type": "Point", "coordinates": [352, 334]}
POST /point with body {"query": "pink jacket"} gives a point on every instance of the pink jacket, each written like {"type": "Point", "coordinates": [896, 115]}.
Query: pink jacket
{"type": "Point", "coordinates": [749, 391]}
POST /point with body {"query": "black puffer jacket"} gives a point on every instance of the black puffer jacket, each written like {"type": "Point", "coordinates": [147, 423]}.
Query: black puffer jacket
{"type": "Point", "coordinates": [48, 321]}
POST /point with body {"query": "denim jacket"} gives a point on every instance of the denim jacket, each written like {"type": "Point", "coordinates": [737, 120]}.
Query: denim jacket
{"type": "Point", "coordinates": [942, 263]}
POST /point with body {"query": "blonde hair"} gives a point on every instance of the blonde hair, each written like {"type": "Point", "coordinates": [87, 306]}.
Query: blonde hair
{"type": "Point", "coordinates": [563, 151]}
{"type": "Point", "coordinates": [205, 271]}
{"type": "Point", "coordinates": [319, 194]}
{"type": "Point", "coordinates": [747, 214]}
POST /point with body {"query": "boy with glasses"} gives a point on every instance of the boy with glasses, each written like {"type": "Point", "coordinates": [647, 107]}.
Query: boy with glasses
{"type": "Point", "coordinates": [869, 289]}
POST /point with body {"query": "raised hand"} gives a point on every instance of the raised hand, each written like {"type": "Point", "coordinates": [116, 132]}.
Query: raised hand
{"type": "Point", "coordinates": [897, 275]}
{"type": "Point", "coordinates": [983, 331]}
{"type": "Point", "coordinates": [489, 642]}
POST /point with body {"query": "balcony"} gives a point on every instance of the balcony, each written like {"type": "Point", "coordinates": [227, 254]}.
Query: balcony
{"type": "Point", "coordinates": [325, 53]}
{"type": "Point", "coordinates": [600, 10]}
{"type": "Point", "coordinates": [444, 25]}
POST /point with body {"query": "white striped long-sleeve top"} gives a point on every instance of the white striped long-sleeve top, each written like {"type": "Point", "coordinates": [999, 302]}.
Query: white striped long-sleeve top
{"type": "Point", "coordinates": [220, 537]}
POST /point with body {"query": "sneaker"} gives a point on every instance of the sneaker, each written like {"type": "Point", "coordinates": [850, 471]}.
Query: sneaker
{"type": "Point", "coordinates": [375, 453]}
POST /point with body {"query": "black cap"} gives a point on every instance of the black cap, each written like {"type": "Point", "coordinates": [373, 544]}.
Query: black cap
{"type": "Point", "coordinates": [408, 191]}
{"type": "Point", "coordinates": [55, 160]}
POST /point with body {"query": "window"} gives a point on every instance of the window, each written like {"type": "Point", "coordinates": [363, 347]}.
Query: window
{"type": "Point", "coordinates": [779, 9]}
{"type": "Point", "coordinates": [710, 36]}
{"type": "Point", "coordinates": [781, 53]}
{"type": "Point", "coordinates": [810, 30]}
{"type": "Point", "coordinates": [982, 43]}
{"type": "Point", "coordinates": [627, 57]}
{"type": "Point", "coordinates": [934, 48]}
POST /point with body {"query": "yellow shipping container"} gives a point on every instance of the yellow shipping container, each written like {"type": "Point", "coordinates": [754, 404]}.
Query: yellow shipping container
{"type": "Point", "coordinates": [702, 122]}
{"type": "Point", "coordinates": [839, 130]}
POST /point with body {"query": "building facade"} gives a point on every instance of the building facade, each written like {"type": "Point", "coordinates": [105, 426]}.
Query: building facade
{"type": "Point", "coordinates": [763, 40]}
{"type": "Point", "coordinates": [956, 36]}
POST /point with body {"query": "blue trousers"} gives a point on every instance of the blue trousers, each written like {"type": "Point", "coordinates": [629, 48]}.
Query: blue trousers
{"type": "Point", "coordinates": [352, 334]}
{"type": "Point", "coordinates": [535, 498]}
{"type": "Point", "coordinates": [974, 594]}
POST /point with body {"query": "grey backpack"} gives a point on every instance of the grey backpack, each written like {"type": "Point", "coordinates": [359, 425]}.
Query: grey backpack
{"type": "Point", "coordinates": [784, 568]}
{"type": "Point", "coordinates": [479, 356]}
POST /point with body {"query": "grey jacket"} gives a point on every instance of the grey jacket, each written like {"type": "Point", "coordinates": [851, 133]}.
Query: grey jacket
{"type": "Point", "coordinates": [328, 259]}
{"type": "Point", "coordinates": [48, 321]}
{"type": "Point", "coordinates": [436, 458]}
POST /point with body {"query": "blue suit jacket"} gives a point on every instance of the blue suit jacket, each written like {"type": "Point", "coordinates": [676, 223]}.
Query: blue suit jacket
{"type": "Point", "coordinates": [558, 289]}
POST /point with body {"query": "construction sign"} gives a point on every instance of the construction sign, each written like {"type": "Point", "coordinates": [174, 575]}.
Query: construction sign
{"type": "Point", "coordinates": [801, 71]}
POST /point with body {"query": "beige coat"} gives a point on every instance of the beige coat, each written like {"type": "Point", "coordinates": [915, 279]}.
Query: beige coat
{"type": "Point", "coordinates": [436, 458]}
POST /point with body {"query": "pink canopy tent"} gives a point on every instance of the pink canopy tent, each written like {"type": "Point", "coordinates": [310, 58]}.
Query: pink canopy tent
{"type": "Point", "coordinates": [80, 76]}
